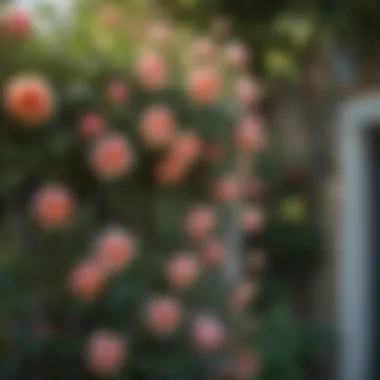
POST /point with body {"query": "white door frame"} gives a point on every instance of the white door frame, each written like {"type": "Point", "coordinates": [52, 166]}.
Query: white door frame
{"type": "Point", "coordinates": [354, 264]}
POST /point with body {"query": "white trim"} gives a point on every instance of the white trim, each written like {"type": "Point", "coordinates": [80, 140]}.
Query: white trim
{"type": "Point", "coordinates": [354, 264]}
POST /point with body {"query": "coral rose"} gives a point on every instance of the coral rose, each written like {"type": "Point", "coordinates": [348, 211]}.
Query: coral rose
{"type": "Point", "coordinates": [182, 271]}
{"type": "Point", "coordinates": [204, 86]}
{"type": "Point", "coordinates": [200, 222]}
{"type": "Point", "coordinates": [111, 157]}
{"type": "Point", "coordinates": [186, 147]}
{"type": "Point", "coordinates": [208, 333]}
{"type": "Point", "coordinates": [151, 71]}
{"type": "Point", "coordinates": [163, 315]}
{"type": "Point", "coordinates": [17, 22]}
{"type": "Point", "coordinates": [244, 294]}
{"type": "Point", "coordinates": [106, 353]}
{"type": "Point", "coordinates": [87, 280]}
{"type": "Point", "coordinates": [114, 249]}
{"type": "Point", "coordinates": [252, 219]}
{"type": "Point", "coordinates": [117, 92]}
{"type": "Point", "coordinates": [52, 206]}
{"type": "Point", "coordinates": [91, 125]}
{"type": "Point", "coordinates": [157, 126]}
{"type": "Point", "coordinates": [228, 189]}
{"type": "Point", "coordinates": [214, 254]}
{"type": "Point", "coordinates": [170, 171]}
{"type": "Point", "coordinates": [250, 134]}
{"type": "Point", "coordinates": [246, 365]}
{"type": "Point", "coordinates": [29, 99]}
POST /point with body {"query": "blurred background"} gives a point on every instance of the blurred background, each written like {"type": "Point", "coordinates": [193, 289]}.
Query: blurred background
{"type": "Point", "coordinates": [310, 59]}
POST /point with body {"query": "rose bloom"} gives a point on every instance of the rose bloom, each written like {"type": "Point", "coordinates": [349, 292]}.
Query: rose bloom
{"type": "Point", "coordinates": [87, 280]}
{"type": "Point", "coordinates": [114, 249]}
{"type": "Point", "coordinates": [204, 86]}
{"type": "Point", "coordinates": [244, 294]}
{"type": "Point", "coordinates": [247, 91]}
{"type": "Point", "coordinates": [182, 270]}
{"type": "Point", "coordinates": [163, 315]}
{"type": "Point", "coordinates": [106, 353]}
{"type": "Point", "coordinates": [246, 365]}
{"type": "Point", "coordinates": [252, 219]}
{"type": "Point", "coordinates": [186, 146]}
{"type": "Point", "coordinates": [200, 222]}
{"type": "Point", "coordinates": [157, 126]}
{"type": "Point", "coordinates": [250, 134]}
{"type": "Point", "coordinates": [214, 254]}
{"type": "Point", "coordinates": [236, 55]}
{"type": "Point", "coordinates": [208, 333]}
{"type": "Point", "coordinates": [53, 206]}
{"type": "Point", "coordinates": [29, 99]}
{"type": "Point", "coordinates": [92, 125]}
{"type": "Point", "coordinates": [17, 22]}
{"type": "Point", "coordinates": [111, 157]}
{"type": "Point", "coordinates": [117, 92]}
{"type": "Point", "coordinates": [170, 171]}
{"type": "Point", "coordinates": [228, 189]}
{"type": "Point", "coordinates": [151, 71]}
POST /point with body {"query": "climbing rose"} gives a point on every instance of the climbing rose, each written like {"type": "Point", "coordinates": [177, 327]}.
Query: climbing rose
{"type": "Point", "coordinates": [117, 92]}
{"type": "Point", "coordinates": [163, 315]}
{"type": "Point", "coordinates": [182, 270]}
{"type": "Point", "coordinates": [91, 125]}
{"type": "Point", "coordinates": [208, 333]}
{"type": "Point", "coordinates": [228, 189]}
{"type": "Point", "coordinates": [157, 126]}
{"type": "Point", "coordinates": [30, 99]}
{"type": "Point", "coordinates": [250, 134]}
{"type": "Point", "coordinates": [106, 353]}
{"type": "Point", "coordinates": [244, 294]}
{"type": "Point", "coordinates": [52, 206]}
{"type": "Point", "coordinates": [111, 157]}
{"type": "Point", "coordinates": [87, 280]}
{"type": "Point", "coordinates": [170, 171]}
{"type": "Point", "coordinates": [151, 71]}
{"type": "Point", "coordinates": [17, 23]}
{"type": "Point", "coordinates": [200, 222]}
{"type": "Point", "coordinates": [114, 249]}
{"type": "Point", "coordinates": [236, 55]}
{"type": "Point", "coordinates": [247, 91]}
{"type": "Point", "coordinates": [214, 254]}
{"type": "Point", "coordinates": [246, 365]}
{"type": "Point", "coordinates": [204, 86]}
{"type": "Point", "coordinates": [252, 219]}
{"type": "Point", "coordinates": [186, 147]}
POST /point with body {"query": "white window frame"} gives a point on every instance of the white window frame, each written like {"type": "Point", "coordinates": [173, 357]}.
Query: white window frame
{"type": "Point", "coordinates": [354, 263]}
